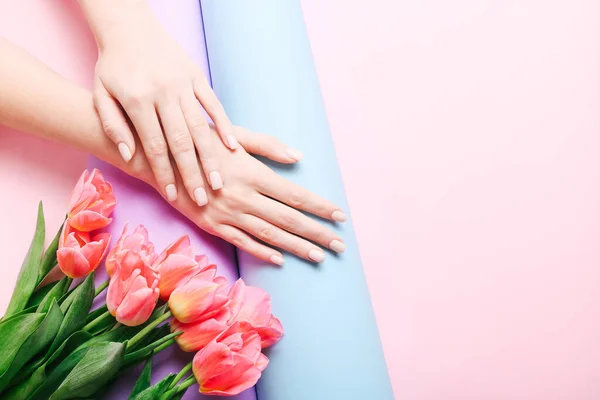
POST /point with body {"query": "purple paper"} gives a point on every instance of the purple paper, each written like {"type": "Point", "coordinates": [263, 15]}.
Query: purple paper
{"type": "Point", "coordinates": [138, 203]}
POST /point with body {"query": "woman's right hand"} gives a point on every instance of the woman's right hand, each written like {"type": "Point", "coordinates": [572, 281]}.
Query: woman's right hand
{"type": "Point", "coordinates": [257, 205]}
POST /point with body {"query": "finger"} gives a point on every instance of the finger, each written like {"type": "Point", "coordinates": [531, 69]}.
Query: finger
{"type": "Point", "coordinates": [183, 151]}
{"type": "Point", "coordinates": [211, 104]}
{"type": "Point", "coordinates": [203, 139]}
{"type": "Point", "coordinates": [271, 234]}
{"type": "Point", "coordinates": [267, 146]}
{"type": "Point", "coordinates": [295, 222]}
{"type": "Point", "coordinates": [114, 123]}
{"type": "Point", "coordinates": [241, 240]}
{"type": "Point", "coordinates": [296, 196]}
{"type": "Point", "coordinates": [146, 123]}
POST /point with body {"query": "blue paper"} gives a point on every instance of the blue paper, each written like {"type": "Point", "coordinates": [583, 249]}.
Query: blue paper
{"type": "Point", "coordinates": [262, 70]}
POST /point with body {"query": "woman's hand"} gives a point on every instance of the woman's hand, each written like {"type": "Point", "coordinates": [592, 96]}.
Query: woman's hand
{"type": "Point", "coordinates": [144, 77]}
{"type": "Point", "coordinates": [257, 205]}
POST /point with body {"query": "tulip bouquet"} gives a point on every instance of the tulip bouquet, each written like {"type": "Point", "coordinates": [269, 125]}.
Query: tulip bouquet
{"type": "Point", "coordinates": [54, 346]}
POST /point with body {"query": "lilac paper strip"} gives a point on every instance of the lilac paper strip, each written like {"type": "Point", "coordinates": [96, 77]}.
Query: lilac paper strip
{"type": "Point", "coordinates": [140, 204]}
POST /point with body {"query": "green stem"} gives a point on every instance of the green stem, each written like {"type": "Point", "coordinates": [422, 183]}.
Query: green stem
{"type": "Point", "coordinates": [101, 288]}
{"type": "Point", "coordinates": [163, 346]}
{"type": "Point", "coordinates": [178, 389]}
{"type": "Point", "coordinates": [101, 318]}
{"type": "Point", "coordinates": [180, 375]}
{"type": "Point", "coordinates": [141, 334]}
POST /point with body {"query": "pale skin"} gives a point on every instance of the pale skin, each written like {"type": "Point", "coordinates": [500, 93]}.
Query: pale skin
{"type": "Point", "coordinates": [143, 76]}
{"type": "Point", "coordinates": [255, 204]}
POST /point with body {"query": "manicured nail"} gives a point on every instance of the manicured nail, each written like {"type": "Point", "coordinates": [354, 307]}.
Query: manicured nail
{"type": "Point", "coordinates": [200, 196]}
{"type": "Point", "coordinates": [125, 152]}
{"type": "Point", "coordinates": [339, 216]}
{"type": "Point", "coordinates": [316, 255]}
{"type": "Point", "coordinates": [275, 259]}
{"type": "Point", "coordinates": [294, 154]}
{"type": "Point", "coordinates": [171, 192]}
{"type": "Point", "coordinates": [233, 143]}
{"type": "Point", "coordinates": [337, 246]}
{"type": "Point", "coordinates": [216, 182]}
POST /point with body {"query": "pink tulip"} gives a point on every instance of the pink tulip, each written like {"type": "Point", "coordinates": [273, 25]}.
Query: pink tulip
{"type": "Point", "coordinates": [253, 305]}
{"type": "Point", "coordinates": [203, 296]}
{"type": "Point", "coordinates": [91, 203]}
{"type": "Point", "coordinates": [198, 334]}
{"type": "Point", "coordinates": [133, 290]}
{"type": "Point", "coordinates": [137, 242]}
{"type": "Point", "coordinates": [232, 363]}
{"type": "Point", "coordinates": [176, 265]}
{"type": "Point", "coordinates": [78, 253]}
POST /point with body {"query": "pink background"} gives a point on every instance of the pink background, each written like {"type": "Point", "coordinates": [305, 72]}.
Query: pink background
{"type": "Point", "coordinates": [467, 136]}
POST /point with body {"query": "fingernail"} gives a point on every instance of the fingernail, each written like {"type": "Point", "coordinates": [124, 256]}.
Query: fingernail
{"type": "Point", "coordinates": [337, 246]}
{"type": "Point", "coordinates": [125, 152]}
{"type": "Point", "coordinates": [233, 143]}
{"type": "Point", "coordinates": [316, 255]}
{"type": "Point", "coordinates": [275, 259]}
{"type": "Point", "coordinates": [216, 182]}
{"type": "Point", "coordinates": [294, 154]}
{"type": "Point", "coordinates": [171, 192]}
{"type": "Point", "coordinates": [339, 216]}
{"type": "Point", "coordinates": [200, 196]}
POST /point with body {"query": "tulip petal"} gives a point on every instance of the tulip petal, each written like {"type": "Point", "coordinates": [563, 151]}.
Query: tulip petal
{"type": "Point", "coordinates": [137, 306]}
{"type": "Point", "coordinates": [72, 262]}
{"type": "Point", "coordinates": [262, 362]}
{"type": "Point", "coordinates": [191, 300]}
{"type": "Point", "coordinates": [197, 334]}
{"type": "Point", "coordinates": [243, 375]}
{"type": "Point", "coordinates": [87, 221]}
{"type": "Point", "coordinates": [174, 271]}
{"type": "Point", "coordinates": [214, 359]}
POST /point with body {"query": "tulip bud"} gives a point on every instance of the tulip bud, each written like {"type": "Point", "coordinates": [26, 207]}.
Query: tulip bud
{"type": "Point", "coordinates": [91, 203]}
{"type": "Point", "coordinates": [78, 253]}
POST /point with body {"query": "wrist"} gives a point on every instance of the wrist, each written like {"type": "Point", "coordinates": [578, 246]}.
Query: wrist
{"type": "Point", "coordinates": [113, 21]}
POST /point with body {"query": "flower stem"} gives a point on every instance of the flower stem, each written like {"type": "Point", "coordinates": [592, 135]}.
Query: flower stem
{"type": "Point", "coordinates": [180, 375]}
{"type": "Point", "coordinates": [178, 389]}
{"type": "Point", "coordinates": [141, 334]}
{"type": "Point", "coordinates": [101, 288]}
{"type": "Point", "coordinates": [101, 318]}
{"type": "Point", "coordinates": [163, 346]}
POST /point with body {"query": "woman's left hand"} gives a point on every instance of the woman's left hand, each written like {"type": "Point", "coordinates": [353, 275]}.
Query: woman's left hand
{"type": "Point", "coordinates": [143, 76]}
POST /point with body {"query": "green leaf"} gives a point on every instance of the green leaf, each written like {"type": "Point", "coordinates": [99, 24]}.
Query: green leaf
{"type": "Point", "coordinates": [143, 382]}
{"type": "Point", "coordinates": [36, 342]}
{"type": "Point", "coordinates": [96, 313]}
{"type": "Point", "coordinates": [30, 270]}
{"type": "Point", "coordinates": [100, 364]}
{"type": "Point", "coordinates": [154, 392]}
{"type": "Point", "coordinates": [33, 369]}
{"type": "Point", "coordinates": [25, 389]}
{"type": "Point", "coordinates": [76, 314]}
{"type": "Point", "coordinates": [13, 333]}
{"type": "Point", "coordinates": [49, 260]}
{"type": "Point", "coordinates": [37, 296]}
{"type": "Point", "coordinates": [55, 294]}
{"type": "Point", "coordinates": [139, 355]}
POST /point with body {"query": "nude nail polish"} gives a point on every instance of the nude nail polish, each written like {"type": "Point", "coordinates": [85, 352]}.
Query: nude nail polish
{"type": "Point", "coordinates": [216, 181]}
{"type": "Point", "coordinates": [317, 255]}
{"type": "Point", "coordinates": [171, 192]}
{"type": "Point", "coordinates": [275, 259]}
{"type": "Point", "coordinates": [339, 216]}
{"type": "Point", "coordinates": [200, 196]}
{"type": "Point", "coordinates": [294, 154]}
{"type": "Point", "coordinates": [125, 152]}
{"type": "Point", "coordinates": [232, 141]}
{"type": "Point", "coordinates": [337, 246]}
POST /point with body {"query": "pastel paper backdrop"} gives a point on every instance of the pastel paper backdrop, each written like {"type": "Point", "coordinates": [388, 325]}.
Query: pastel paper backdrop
{"type": "Point", "coordinates": [467, 135]}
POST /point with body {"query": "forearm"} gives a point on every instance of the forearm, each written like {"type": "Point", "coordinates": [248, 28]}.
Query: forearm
{"type": "Point", "coordinates": [35, 99]}
{"type": "Point", "coordinates": [116, 20]}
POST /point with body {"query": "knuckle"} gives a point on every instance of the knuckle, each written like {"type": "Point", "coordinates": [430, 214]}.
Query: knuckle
{"type": "Point", "coordinates": [180, 142]}
{"type": "Point", "coordinates": [296, 199]}
{"type": "Point", "coordinates": [157, 147]}
{"type": "Point", "coordinates": [111, 129]}
{"type": "Point", "coordinates": [198, 123]}
{"type": "Point", "coordinates": [288, 223]}
{"type": "Point", "coordinates": [266, 234]}
{"type": "Point", "coordinates": [238, 241]}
